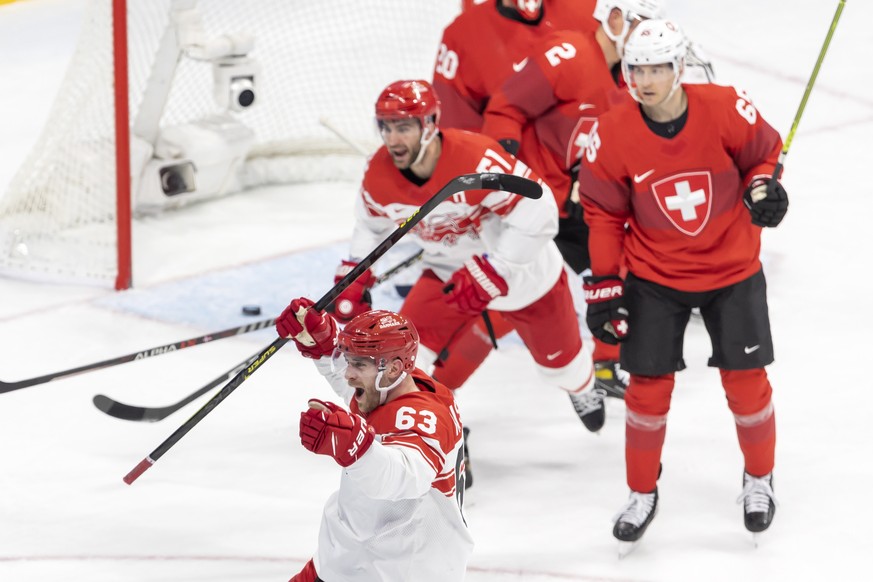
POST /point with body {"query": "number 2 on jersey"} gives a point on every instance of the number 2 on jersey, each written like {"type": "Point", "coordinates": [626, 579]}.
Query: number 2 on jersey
{"type": "Point", "coordinates": [564, 51]}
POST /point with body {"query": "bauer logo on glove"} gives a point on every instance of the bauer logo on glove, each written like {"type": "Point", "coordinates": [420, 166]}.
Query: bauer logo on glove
{"type": "Point", "coordinates": [607, 315]}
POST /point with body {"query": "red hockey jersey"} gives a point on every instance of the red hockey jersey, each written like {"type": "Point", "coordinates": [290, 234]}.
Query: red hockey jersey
{"type": "Point", "coordinates": [575, 15]}
{"type": "Point", "coordinates": [681, 198]}
{"type": "Point", "coordinates": [478, 51]}
{"type": "Point", "coordinates": [551, 104]}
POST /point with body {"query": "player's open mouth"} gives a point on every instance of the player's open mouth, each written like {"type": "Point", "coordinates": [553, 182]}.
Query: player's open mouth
{"type": "Point", "coordinates": [359, 393]}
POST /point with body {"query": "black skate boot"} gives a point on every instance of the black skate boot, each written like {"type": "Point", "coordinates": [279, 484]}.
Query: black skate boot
{"type": "Point", "coordinates": [612, 379]}
{"type": "Point", "coordinates": [631, 522]}
{"type": "Point", "coordinates": [468, 471]}
{"type": "Point", "coordinates": [590, 408]}
{"type": "Point", "coordinates": [759, 502]}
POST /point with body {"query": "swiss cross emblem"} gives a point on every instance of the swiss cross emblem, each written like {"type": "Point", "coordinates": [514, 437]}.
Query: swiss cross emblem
{"type": "Point", "coordinates": [686, 200]}
{"type": "Point", "coordinates": [578, 142]}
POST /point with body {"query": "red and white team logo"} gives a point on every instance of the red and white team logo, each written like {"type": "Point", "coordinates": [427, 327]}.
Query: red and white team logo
{"type": "Point", "coordinates": [686, 200]}
{"type": "Point", "coordinates": [579, 139]}
{"type": "Point", "coordinates": [448, 228]}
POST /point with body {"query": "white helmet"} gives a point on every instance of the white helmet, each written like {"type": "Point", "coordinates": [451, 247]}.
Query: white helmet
{"type": "Point", "coordinates": [631, 10]}
{"type": "Point", "coordinates": [655, 42]}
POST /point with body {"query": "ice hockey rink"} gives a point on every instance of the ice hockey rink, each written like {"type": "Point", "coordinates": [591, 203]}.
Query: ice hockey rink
{"type": "Point", "coordinates": [239, 499]}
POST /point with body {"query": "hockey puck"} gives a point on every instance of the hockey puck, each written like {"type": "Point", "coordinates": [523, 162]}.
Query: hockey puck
{"type": "Point", "coordinates": [251, 310]}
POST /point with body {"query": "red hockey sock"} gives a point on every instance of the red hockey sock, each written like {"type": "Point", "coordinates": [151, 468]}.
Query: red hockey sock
{"type": "Point", "coordinates": [648, 401]}
{"type": "Point", "coordinates": [749, 398]}
{"type": "Point", "coordinates": [604, 351]}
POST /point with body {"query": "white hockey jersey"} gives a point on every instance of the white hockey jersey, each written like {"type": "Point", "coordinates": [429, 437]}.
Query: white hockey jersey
{"type": "Point", "coordinates": [397, 515]}
{"type": "Point", "coordinates": [514, 232]}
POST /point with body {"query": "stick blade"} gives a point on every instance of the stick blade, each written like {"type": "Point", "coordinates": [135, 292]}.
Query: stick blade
{"type": "Point", "coordinates": [120, 410]}
{"type": "Point", "coordinates": [515, 184]}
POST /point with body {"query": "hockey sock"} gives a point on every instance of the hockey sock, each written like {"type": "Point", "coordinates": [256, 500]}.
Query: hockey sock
{"type": "Point", "coordinates": [748, 393]}
{"type": "Point", "coordinates": [603, 351]}
{"type": "Point", "coordinates": [648, 401]}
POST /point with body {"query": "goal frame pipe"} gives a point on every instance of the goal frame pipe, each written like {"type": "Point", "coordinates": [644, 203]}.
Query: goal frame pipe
{"type": "Point", "coordinates": [123, 218]}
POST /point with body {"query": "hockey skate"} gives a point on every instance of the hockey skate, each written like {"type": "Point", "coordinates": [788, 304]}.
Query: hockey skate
{"type": "Point", "coordinates": [468, 471]}
{"type": "Point", "coordinates": [631, 522]}
{"type": "Point", "coordinates": [590, 407]}
{"type": "Point", "coordinates": [759, 503]}
{"type": "Point", "coordinates": [611, 378]}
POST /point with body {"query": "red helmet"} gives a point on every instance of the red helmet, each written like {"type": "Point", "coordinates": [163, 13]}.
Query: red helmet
{"type": "Point", "coordinates": [381, 335]}
{"type": "Point", "coordinates": [408, 100]}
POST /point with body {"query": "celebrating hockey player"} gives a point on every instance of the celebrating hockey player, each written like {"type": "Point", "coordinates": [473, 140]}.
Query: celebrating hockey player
{"type": "Point", "coordinates": [400, 447]}
{"type": "Point", "coordinates": [678, 183]}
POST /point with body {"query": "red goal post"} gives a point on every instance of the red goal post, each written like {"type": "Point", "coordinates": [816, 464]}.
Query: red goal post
{"type": "Point", "coordinates": [194, 99]}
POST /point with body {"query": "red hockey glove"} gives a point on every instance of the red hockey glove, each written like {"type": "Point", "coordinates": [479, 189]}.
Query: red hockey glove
{"type": "Point", "coordinates": [327, 429]}
{"type": "Point", "coordinates": [473, 286]}
{"type": "Point", "coordinates": [767, 204]}
{"type": "Point", "coordinates": [606, 315]}
{"type": "Point", "coordinates": [314, 333]}
{"type": "Point", "coordinates": [355, 299]}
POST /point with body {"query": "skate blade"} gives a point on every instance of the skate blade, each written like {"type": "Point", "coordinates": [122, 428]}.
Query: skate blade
{"type": "Point", "coordinates": [625, 548]}
{"type": "Point", "coordinates": [758, 538]}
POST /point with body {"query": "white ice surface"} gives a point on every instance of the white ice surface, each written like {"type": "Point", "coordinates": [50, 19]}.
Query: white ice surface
{"type": "Point", "coordinates": [238, 499]}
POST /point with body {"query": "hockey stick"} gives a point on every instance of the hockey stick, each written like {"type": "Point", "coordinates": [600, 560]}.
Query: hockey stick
{"type": "Point", "coordinates": [176, 346]}
{"type": "Point", "coordinates": [490, 327]}
{"type": "Point", "coordinates": [777, 171]}
{"type": "Point", "coordinates": [506, 182]}
{"type": "Point", "coordinates": [141, 355]}
{"type": "Point", "coordinates": [327, 123]}
{"type": "Point", "coordinates": [399, 267]}
{"type": "Point", "coordinates": [123, 411]}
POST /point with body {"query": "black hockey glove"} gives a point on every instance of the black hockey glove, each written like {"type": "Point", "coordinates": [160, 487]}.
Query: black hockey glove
{"type": "Point", "coordinates": [572, 206]}
{"type": "Point", "coordinates": [766, 203]}
{"type": "Point", "coordinates": [607, 314]}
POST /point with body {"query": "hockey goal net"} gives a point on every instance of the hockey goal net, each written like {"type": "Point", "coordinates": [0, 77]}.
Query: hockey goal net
{"type": "Point", "coordinates": [318, 63]}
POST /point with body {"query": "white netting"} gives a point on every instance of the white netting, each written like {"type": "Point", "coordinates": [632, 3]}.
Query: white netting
{"type": "Point", "coordinates": [318, 59]}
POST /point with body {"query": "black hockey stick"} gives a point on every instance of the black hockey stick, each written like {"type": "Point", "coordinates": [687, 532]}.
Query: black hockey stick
{"type": "Point", "coordinates": [507, 182]}
{"type": "Point", "coordinates": [176, 346]}
{"type": "Point", "coordinates": [123, 411]}
{"type": "Point", "coordinates": [399, 267]}
{"type": "Point", "coordinates": [141, 355]}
